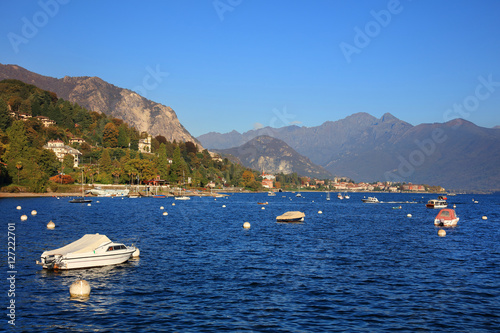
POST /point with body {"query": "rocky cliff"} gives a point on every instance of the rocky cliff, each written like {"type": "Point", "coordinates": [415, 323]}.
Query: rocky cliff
{"type": "Point", "coordinates": [97, 95]}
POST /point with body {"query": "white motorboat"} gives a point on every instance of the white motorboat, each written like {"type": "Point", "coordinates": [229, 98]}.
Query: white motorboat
{"type": "Point", "coordinates": [182, 197]}
{"type": "Point", "coordinates": [271, 194]}
{"type": "Point", "coordinates": [293, 216]}
{"type": "Point", "coordinates": [446, 218]}
{"type": "Point", "coordinates": [370, 200]}
{"type": "Point", "coordinates": [92, 250]}
{"type": "Point", "coordinates": [436, 203]}
{"type": "Point", "coordinates": [340, 196]}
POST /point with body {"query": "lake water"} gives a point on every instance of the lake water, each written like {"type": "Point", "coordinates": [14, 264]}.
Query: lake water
{"type": "Point", "coordinates": [355, 267]}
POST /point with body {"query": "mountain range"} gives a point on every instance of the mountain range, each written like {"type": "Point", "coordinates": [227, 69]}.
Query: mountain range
{"type": "Point", "coordinates": [456, 154]}
{"type": "Point", "coordinates": [98, 95]}
{"type": "Point", "coordinates": [274, 156]}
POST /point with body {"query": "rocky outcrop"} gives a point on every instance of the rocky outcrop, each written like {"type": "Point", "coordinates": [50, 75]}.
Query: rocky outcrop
{"type": "Point", "coordinates": [98, 95]}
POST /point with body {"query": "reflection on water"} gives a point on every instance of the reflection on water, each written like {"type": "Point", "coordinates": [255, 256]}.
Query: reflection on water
{"type": "Point", "coordinates": [354, 267]}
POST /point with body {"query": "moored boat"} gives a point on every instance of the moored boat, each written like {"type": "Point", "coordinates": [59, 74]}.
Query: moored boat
{"type": "Point", "coordinates": [436, 203]}
{"type": "Point", "coordinates": [446, 218]}
{"type": "Point", "coordinates": [92, 250]}
{"type": "Point", "coordinates": [292, 216]}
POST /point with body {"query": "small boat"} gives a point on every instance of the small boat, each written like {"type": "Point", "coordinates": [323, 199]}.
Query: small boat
{"type": "Point", "coordinates": [298, 195]}
{"type": "Point", "coordinates": [293, 216]}
{"type": "Point", "coordinates": [446, 218]}
{"type": "Point", "coordinates": [340, 196]}
{"type": "Point", "coordinates": [370, 200]}
{"type": "Point", "coordinates": [82, 198]}
{"type": "Point", "coordinates": [271, 194]}
{"type": "Point", "coordinates": [92, 250]}
{"type": "Point", "coordinates": [182, 197]}
{"type": "Point", "coordinates": [346, 196]}
{"type": "Point", "coordinates": [328, 196]}
{"type": "Point", "coordinates": [397, 207]}
{"type": "Point", "coordinates": [436, 203]}
{"type": "Point", "coordinates": [159, 196]}
{"type": "Point", "coordinates": [262, 203]}
{"type": "Point", "coordinates": [442, 197]}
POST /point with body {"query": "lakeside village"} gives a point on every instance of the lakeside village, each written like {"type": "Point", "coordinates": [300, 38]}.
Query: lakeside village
{"type": "Point", "coordinates": [268, 182]}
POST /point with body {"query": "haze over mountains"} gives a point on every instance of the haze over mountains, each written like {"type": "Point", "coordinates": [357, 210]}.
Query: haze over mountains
{"type": "Point", "coordinates": [97, 95]}
{"type": "Point", "coordinates": [455, 155]}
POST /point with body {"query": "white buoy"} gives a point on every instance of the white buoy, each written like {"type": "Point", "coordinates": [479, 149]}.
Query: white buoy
{"type": "Point", "coordinates": [33, 212]}
{"type": "Point", "coordinates": [97, 201]}
{"type": "Point", "coordinates": [24, 217]}
{"type": "Point", "coordinates": [79, 288]}
{"type": "Point", "coordinates": [173, 203]}
{"type": "Point", "coordinates": [263, 208]}
{"type": "Point", "coordinates": [409, 215]}
{"type": "Point", "coordinates": [484, 217]}
{"type": "Point", "coordinates": [162, 208]}
{"type": "Point", "coordinates": [223, 206]}
{"type": "Point", "coordinates": [454, 206]}
{"type": "Point", "coordinates": [320, 212]}
{"type": "Point", "coordinates": [136, 253]}
{"type": "Point", "coordinates": [475, 201]}
{"type": "Point", "coordinates": [89, 205]}
{"type": "Point", "coordinates": [246, 225]}
{"type": "Point", "coordinates": [51, 225]}
{"type": "Point", "coordinates": [441, 233]}
{"type": "Point", "coordinates": [18, 207]}
{"type": "Point", "coordinates": [165, 213]}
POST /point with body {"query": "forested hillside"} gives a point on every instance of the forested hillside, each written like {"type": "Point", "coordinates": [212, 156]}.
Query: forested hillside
{"type": "Point", "coordinates": [109, 154]}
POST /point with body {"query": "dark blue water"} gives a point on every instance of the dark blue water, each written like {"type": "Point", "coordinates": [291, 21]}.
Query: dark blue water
{"type": "Point", "coordinates": [355, 267]}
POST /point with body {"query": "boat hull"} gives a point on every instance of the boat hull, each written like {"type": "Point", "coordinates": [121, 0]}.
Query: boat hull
{"type": "Point", "coordinates": [446, 223]}
{"type": "Point", "coordinates": [87, 260]}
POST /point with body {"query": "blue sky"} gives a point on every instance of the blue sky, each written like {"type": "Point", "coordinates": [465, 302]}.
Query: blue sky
{"type": "Point", "coordinates": [238, 64]}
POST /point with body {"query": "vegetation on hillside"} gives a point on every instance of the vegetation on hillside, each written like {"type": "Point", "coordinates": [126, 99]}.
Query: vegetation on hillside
{"type": "Point", "coordinates": [109, 154]}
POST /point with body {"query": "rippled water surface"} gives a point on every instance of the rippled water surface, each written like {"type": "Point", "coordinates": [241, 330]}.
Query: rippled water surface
{"type": "Point", "coordinates": [355, 267]}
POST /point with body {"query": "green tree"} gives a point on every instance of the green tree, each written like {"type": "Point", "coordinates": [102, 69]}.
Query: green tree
{"type": "Point", "coordinates": [162, 164]}
{"type": "Point", "coordinates": [18, 141]}
{"type": "Point", "coordinates": [5, 118]}
{"type": "Point", "coordinates": [110, 136]}
{"type": "Point", "coordinates": [123, 139]}
{"type": "Point", "coordinates": [105, 161]}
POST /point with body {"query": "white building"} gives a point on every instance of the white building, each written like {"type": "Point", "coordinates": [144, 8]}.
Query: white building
{"type": "Point", "coordinates": [145, 145]}
{"type": "Point", "coordinates": [61, 150]}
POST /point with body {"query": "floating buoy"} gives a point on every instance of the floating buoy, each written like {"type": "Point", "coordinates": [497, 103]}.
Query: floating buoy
{"type": "Point", "coordinates": [246, 225]}
{"type": "Point", "coordinates": [475, 201]}
{"type": "Point", "coordinates": [165, 213]}
{"type": "Point", "coordinates": [79, 288]}
{"type": "Point", "coordinates": [263, 208]}
{"type": "Point", "coordinates": [223, 206]}
{"type": "Point", "coordinates": [97, 201]}
{"type": "Point", "coordinates": [441, 233]}
{"type": "Point", "coordinates": [454, 206]}
{"type": "Point", "coordinates": [162, 207]}
{"type": "Point", "coordinates": [33, 212]}
{"type": "Point", "coordinates": [51, 225]}
{"type": "Point", "coordinates": [18, 207]}
{"type": "Point", "coordinates": [173, 203]}
{"type": "Point", "coordinates": [24, 217]}
{"type": "Point", "coordinates": [484, 217]}
{"type": "Point", "coordinates": [409, 215]}
{"type": "Point", "coordinates": [136, 253]}
{"type": "Point", "coordinates": [320, 212]}
{"type": "Point", "coordinates": [89, 205]}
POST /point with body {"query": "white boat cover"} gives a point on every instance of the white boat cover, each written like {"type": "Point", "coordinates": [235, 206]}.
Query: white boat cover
{"type": "Point", "coordinates": [87, 243]}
